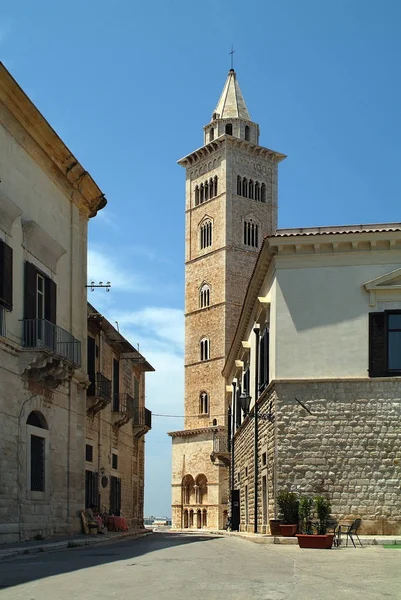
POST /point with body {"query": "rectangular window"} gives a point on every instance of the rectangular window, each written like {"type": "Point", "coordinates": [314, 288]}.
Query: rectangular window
{"type": "Point", "coordinates": [264, 360]}
{"type": "Point", "coordinates": [40, 300]}
{"type": "Point", "coordinates": [264, 499]}
{"type": "Point", "coordinates": [246, 506]}
{"type": "Point", "coordinates": [385, 344]}
{"type": "Point", "coordinates": [91, 489]}
{"type": "Point", "coordinates": [115, 496]}
{"type": "Point", "coordinates": [3, 321]}
{"type": "Point", "coordinates": [264, 459]}
{"type": "Point", "coordinates": [6, 276]}
{"type": "Point", "coordinates": [116, 385]}
{"type": "Point", "coordinates": [246, 471]}
{"type": "Point", "coordinates": [114, 461]}
{"type": "Point", "coordinates": [89, 453]}
{"type": "Point", "coordinates": [394, 341]}
{"type": "Point", "coordinates": [37, 463]}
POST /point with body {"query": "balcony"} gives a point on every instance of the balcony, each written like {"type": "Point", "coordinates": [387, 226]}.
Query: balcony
{"type": "Point", "coordinates": [99, 391]}
{"type": "Point", "coordinates": [52, 353]}
{"type": "Point", "coordinates": [123, 407]}
{"type": "Point", "coordinates": [221, 450]}
{"type": "Point", "coordinates": [142, 417]}
{"type": "Point", "coordinates": [39, 334]}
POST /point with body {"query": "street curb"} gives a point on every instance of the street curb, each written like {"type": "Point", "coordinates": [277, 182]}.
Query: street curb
{"type": "Point", "coordinates": [260, 538]}
{"type": "Point", "coordinates": [70, 544]}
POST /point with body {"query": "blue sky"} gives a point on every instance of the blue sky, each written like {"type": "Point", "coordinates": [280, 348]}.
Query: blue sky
{"type": "Point", "coordinates": [129, 85]}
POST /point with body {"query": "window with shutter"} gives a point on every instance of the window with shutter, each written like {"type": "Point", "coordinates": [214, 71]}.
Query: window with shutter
{"type": "Point", "coordinates": [6, 276]}
{"type": "Point", "coordinates": [385, 344]}
{"type": "Point", "coordinates": [264, 360]}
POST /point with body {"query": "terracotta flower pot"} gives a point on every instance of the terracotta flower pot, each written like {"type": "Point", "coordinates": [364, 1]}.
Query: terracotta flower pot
{"type": "Point", "coordinates": [275, 527]}
{"type": "Point", "coordinates": [288, 530]}
{"type": "Point", "coordinates": [315, 541]}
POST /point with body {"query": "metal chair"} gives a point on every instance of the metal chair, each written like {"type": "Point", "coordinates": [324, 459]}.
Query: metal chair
{"type": "Point", "coordinates": [350, 531]}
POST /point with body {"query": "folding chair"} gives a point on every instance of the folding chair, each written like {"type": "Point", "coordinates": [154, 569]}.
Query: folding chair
{"type": "Point", "coordinates": [351, 530]}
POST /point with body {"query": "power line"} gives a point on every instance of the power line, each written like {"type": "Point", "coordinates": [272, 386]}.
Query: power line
{"type": "Point", "coordinates": [183, 416]}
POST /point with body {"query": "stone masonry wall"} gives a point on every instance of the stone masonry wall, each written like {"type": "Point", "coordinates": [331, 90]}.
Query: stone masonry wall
{"type": "Point", "coordinates": [348, 449]}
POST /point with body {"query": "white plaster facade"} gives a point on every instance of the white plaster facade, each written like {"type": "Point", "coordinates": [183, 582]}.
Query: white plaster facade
{"type": "Point", "coordinates": [46, 199]}
{"type": "Point", "coordinates": [314, 291]}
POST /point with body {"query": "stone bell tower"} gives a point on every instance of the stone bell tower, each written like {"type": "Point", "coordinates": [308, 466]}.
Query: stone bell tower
{"type": "Point", "coordinates": [231, 204]}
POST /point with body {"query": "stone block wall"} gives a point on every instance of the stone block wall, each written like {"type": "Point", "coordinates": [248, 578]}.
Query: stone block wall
{"type": "Point", "coordinates": [348, 449]}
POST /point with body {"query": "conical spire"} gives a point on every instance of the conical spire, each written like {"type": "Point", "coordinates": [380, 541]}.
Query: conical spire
{"type": "Point", "coordinates": [232, 104]}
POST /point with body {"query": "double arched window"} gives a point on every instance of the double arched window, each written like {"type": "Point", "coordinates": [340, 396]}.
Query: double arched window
{"type": "Point", "coordinates": [204, 296]}
{"type": "Point", "coordinates": [251, 189]}
{"type": "Point", "coordinates": [204, 349]}
{"type": "Point", "coordinates": [203, 403]}
{"type": "Point", "coordinates": [206, 190]}
{"type": "Point", "coordinates": [251, 231]}
{"type": "Point", "coordinates": [206, 234]}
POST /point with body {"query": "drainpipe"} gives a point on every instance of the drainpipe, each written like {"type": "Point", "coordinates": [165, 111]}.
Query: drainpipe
{"type": "Point", "coordinates": [256, 331]}
{"type": "Point", "coordinates": [233, 412]}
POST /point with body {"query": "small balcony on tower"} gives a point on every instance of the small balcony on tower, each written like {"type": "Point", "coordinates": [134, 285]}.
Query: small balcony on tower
{"type": "Point", "coordinates": [98, 394]}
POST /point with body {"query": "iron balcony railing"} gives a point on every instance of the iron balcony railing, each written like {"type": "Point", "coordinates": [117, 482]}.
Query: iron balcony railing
{"type": "Point", "coordinates": [40, 334]}
{"type": "Point", "coordinates": [100, 387]}
{"type": "Point", "coordinates": [123, 403]}
{"type": "Point", "coordinates": [142, 417]}
{"type": "Point", "coordinates": [220, 445]}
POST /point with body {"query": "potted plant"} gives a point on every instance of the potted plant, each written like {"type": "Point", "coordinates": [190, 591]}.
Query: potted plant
{"type": "Point", "coordinates": [275, 526]}
{"type": "Point", "coordinates": [320, 539]}
{"type": "Point", "coordinates": [288, 505]}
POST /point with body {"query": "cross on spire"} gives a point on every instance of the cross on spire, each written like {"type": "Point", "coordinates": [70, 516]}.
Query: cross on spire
{"type": "Point", "coordinates": [232, 57]}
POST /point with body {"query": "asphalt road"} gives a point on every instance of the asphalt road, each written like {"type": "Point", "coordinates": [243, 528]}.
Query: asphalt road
{"type": "Point", "coordinates": [191, 567]}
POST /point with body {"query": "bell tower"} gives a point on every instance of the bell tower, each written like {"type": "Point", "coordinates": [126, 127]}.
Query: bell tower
{"type": "Point", "coordinates": [231, 204]}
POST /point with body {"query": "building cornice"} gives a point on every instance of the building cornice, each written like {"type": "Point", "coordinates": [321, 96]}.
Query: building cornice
{"type": "Point", "coordinates": [198, 431]}
{"type": "Point", "coordinates": [23, 121]}
{"type": "Point", "coordinates": [208, 149]}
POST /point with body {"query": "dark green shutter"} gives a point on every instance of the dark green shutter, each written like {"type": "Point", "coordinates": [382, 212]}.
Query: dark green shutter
{"type": "Point", "coordinates": [6, 276]}
{"type": "Point", "coordinates": [377, 345]}
{"type": "Point", "coordinates": [30, 291]}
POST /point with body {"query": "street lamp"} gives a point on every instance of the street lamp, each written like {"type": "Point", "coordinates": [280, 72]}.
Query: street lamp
{"type": "Point", "coordinates": [245, 403]}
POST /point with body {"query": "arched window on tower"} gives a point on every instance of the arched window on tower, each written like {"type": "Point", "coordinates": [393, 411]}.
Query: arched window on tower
{"type": "Point", "coordinates": [206, 234]}
{"type": "Point", "coordinates": [197, 195]}
{"type": "Point", "coordinates": [239, 185]}
{"type": "Point", "coordinates": [211, 136]}
{"type": "Point", "coordinates": [229, 129]}
{"type": "Point", "coordinates": [245, 187]}
{"type": "Point", "coordinates": [204, 349]}
{"type": "Point", "coordinates": [263, 192]}
{"type": "Point", "coordinates": [201, 193]}
{"type": "Point", "coordinates": [251, 234]}
{"type": "Point", "coordinates": [204, 296]}
{"type": "Point", "coordinates": [251, 189]}
{"type": "Point", "coordinates": [203, 403]}
{"type": "Point", "coordinates": [212, 192]}
{"type": "Point", "coordinates": [247, 133]}
{"type": "Point", "coordinates": [257, 190]}
{"type": "Point", "coordinates": [206, 191]}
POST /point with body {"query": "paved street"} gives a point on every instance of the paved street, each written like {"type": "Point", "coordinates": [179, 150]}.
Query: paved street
{"type": "Point", "coordinates": [174, 567]}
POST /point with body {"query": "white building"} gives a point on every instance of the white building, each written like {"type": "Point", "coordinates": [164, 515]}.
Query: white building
{"type": "Point", "coordinates": [317, 355]}
{"type": "Point", "coordinates": [46, 199]}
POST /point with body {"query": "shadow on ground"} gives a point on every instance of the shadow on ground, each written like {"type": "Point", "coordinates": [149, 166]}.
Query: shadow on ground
{"type": "Point", "coordinates": [23, 569]}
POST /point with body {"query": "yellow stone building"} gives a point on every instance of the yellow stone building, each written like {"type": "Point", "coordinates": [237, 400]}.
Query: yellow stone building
{"type": "Point", "coordinates": [231, 205]}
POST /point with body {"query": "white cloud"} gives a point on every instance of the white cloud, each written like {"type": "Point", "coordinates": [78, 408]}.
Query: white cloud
{"type": "Point", "coordinates": [106, 268]}
{"type": "Point", "coordinates": [165, 326]}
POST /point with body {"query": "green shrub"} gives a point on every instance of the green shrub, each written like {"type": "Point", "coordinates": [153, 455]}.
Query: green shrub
{"type": "Point", "coordinates": [305, 514]}
{"type": "Point", "coordinates": [288, 505]}
{"type": "Point", "coordinates": [323, 508]}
